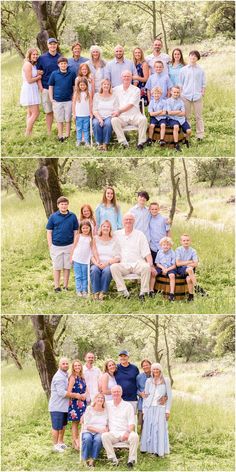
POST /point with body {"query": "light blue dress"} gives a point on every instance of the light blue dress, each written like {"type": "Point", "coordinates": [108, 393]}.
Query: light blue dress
{"type": "Point", "coordinates": [108, 213]}
{"type": "Point", "coordinates": [155, 437]}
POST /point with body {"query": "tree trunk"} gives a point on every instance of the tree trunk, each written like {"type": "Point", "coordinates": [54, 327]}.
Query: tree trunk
{"type": "Point", "coordinates": [11, 179]}
{"type": "Point", "coordinates": [154, 19]}
{"type": "Point", "coordinates": [157, 352]}
{"type": "Point", "coordinates": [163, 28]}
{"type": "Point", "coordinates": [175, 183]}
{"type": "Point", "coordinates": [11, 351]}
{"type": "Point", "coordinates": [50, 16]}
{"type": "Point", "coordinates": [168, 355]}
{"type": "Point", "coordinates": [46, 179]}
{"type": "Point", "coordinates": [187, 191]}
{"type": "Point", "coordinates": [42, 349]}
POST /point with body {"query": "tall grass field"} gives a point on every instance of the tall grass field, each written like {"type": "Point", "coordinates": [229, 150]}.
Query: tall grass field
{"type": "Point", "coordinates": [201, 431]}
{"type": "Point", "coordinates": [218, 113]}
{"type": "Point", "coordinates": [27, 282]}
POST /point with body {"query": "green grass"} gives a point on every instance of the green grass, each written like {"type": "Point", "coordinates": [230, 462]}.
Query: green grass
{"type": "Point", "coordinates": [201, 434]}
{"type": "Point", "coordinates": [27, 283]}
{"type": "Point", "coordinates": [218, 117]}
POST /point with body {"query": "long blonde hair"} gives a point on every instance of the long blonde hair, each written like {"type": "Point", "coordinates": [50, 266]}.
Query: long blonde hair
{"type": "Point", "coordinates": [29, 53]}
{"type": "Point", "coordinates": [81, 375]}
{"type": "Point", "coordinates": [77, 88]}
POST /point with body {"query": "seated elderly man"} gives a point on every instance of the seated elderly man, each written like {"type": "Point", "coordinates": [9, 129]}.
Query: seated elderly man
{"type": "Point", "coordinates": [135, 257]}
{"type": "Point", "coordinates": [121, 425]}
{"type": "Point", "coordinates": [128, 113]}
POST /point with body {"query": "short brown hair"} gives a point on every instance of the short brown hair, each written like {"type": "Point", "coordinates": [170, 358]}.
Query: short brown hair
{"type": "Point", "coordinates": [75, 44]}
{"type": "Point", "coordinates": [62, 59]}
{"type": "Point", "coordinates": [62, 199]}
{"type": "Point", "coordinates": [145, 360]}
{"type": "Point", "coordinates": [160, 62]}
{"type": "Point", "coordinates": [195, 53]}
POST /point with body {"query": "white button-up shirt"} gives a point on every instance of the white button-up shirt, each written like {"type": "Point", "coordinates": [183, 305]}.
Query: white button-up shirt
{"type": "Point", "coordinates": [131, 96]}
{"type": "Point", "coordinates": [120, 417]}
{"type": "Point", "coordinates": [92, 377]}
{"type": "Point", "coordinates": [134, 246]}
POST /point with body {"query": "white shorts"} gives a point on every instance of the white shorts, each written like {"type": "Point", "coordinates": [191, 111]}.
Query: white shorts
{"type": "Point", "coordinates": [60, 256]}
{"type": "Point", "coordinates": [62, 111]}
{"type": "Point", "coordinates": [46, 102]}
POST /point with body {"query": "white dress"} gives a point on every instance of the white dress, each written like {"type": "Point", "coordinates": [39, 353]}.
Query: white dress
{"type": "Point", "coordinates": [29, 92]}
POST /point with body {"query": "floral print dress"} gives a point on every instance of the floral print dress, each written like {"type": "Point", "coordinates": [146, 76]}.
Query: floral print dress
{"type": "Point", "coordinates": [77, 407]}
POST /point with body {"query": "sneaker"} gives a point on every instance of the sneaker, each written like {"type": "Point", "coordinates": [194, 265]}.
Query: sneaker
{"type": "Point", "coordinates": [200, 140]}
{"type": "Point", "coordinates": [63, 446]}
{"type": "Point", "coordinates": [114, 461]}
{"type": "Point", "coordinates": [141, 297]}
{"type": "Point", "coordinates": [66, 137]}
{"type": "Point", "coordinates": [149, 142]}
{"type": "Point", "coordinates": [101, 296]}
{"type": "Point", "coordinates": [96, 296]}
{"type": "Point", "coordinates": [201, 291]}
{"type": "Point", "coordinates": [130, 464]}
{"type": "Point", "coordinates": [177, 147]}
{"type": "Point", "coordinates": [140, 147]}
{"type": "Point", "coordinates": [84, 294]}
{"type": "Point", "coordinates": [190, 297]}
{"type": "Point", "coordinates": [171, 297]}
{"type": "Point", "coordinates": [152, 294]}
{"type": "Point", "coordinates": [78, 143]}
{"type": "Point", "coordinates": [79, 294]}
{"type": "Point", "coordinates": [58, 289]}
{"type": "Point", "coordinates": [124, 145]}
{"type": "Point", "coordinates": [105, 147]}
{"type": "Point", "coordinates": [57, 448]}
{"type": "Point", "coordinates": [162, 142]}
{"type": "Point", "coordinates": [61, 140]}
{"type": "Point", "coordinates": [186, 142]}
{"type": "Point", "coordinates": [125, 293]}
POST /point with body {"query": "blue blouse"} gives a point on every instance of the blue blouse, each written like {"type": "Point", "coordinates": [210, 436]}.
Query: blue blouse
{"type": "Point", "coordinates": [174, 73]}
{"type": "Point", "coordinates": [108, 213]}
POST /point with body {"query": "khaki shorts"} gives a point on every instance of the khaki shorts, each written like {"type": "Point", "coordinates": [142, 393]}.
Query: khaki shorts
{"type": "Point", "coordinates": [46, 102]}
{"type": "Point", "coordinates": [60, 256]}
{"type": "Point", "coordinates": [62, 111]}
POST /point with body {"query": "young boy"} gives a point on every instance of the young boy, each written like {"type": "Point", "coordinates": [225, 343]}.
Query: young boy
{"type": "Point", "coordinates": [176, 116]}
{"type": "Point", "coordinates": [141, 213]}
{"type": "Point", "coordinates": [62, 227]}
{"type": "Point", "coordinates": [157, 112]}
{"type": "Point", "coordinates": [186, 262]}
{"type": "Point", "coordinates": [61, 88]}
{"type": "Point", "coordinates": [159, 228]}
{"type": "Point", "coordinates": [159, 79]}
{"type": "Point", "coordinates": [165, 263]}
{"type": "Point", "coordinates": [193, 84]}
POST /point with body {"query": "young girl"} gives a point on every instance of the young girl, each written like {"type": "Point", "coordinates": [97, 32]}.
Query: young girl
{"type": "Point", "coordinates": [30, 96]}
{"type": "Point", "coordinates": [176, 64]}
{"type": "Point", "coordinates": [109, 210]}
{"type": "Point", "coordinates": [83, 249]}
{"type": "Point", "coordinates": [82, 110]}
{"type": "Point", "coordinates": [86, 213]}
{"type": "Point", "coordinates": [85, 72]}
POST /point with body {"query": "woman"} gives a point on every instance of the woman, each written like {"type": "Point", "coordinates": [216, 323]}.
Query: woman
{"type": "Point", "coordinates": [29, 96]}
{"type": "Point", "coordinates": [108, 253]}
{"type": "Point", "coordinates": [176, 64]}
{"type": "Point", "coordinates": [155, 439]}
{"type": "Point", "coordinates": [97, 66]}
{"type": "Point", "coordinates": [109, 210]}
{"type": "Point", "coordinates": [76, 407]}
{"type": "Point", "coordinates": [104, 103]}
{"type": "Point", "coordinates": [143, 72]}
{"type": "Point", "coordinates": [108, 379]}
{"type": "Point", "coordinates": [95, 423]}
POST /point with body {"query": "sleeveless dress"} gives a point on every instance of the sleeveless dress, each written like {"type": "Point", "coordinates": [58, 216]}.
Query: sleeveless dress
{"type": "Point", "coordinates": [141, 85]}
{"type": "Point", "coordinates": [29, 92]}
{"type": "Point", "coordinates": [111, 383]}
{"type": "Point", "coordinates": [77, 407]}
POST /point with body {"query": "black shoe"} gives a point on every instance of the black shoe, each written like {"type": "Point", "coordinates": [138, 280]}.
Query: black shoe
{"type": "Point", "coordinates": [152, 294]}
{"type": "Point", "coordinates": [199, 140]}
{"type": "Point", "coordinates": [141, 297]}
{"type": "Point", "coordinates": [171, 297]}
{"type": "Point", "coordinates": [177, 147]}
{"type": "Point", "coordinates": [124, 145]}
{"type": "Point", "coordinates": [149, 142]}
{"type": "Point", "coordinates": [162, 142]}
{"type": "Point", "coordinates": [58, 289]}
{"type": "Point", "coordinates": [186, 142]}
{"type": "Point", "coordinates": [65, 289]}
{"type": "Point", "coordinates": [201, 291]}
{"type": "Point", "coordinates": [130, 465]}
{"type": "Point", "coordinates": [140, 147]}
{"type": "Point", "coordinates": [61, 140]}
{"type": "Point", "coordinates": [190, 298]}
{"type": "Point", "coordinates": [65, 138]}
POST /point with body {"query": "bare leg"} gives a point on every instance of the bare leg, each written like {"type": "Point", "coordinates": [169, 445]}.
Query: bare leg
{"type": "Point", "coordinates": [162, 131]}
{"type": "Point", "coordinates": [191, 275]}
{"type": "Point", "coordinates": [75, 434]}
{"type": "Point", "coordinates": [172, 283]}
{"type": "Point", "coordinates": [55, 436]}
{"type": "Point", "coordinates": [49, 121]}
{"type": "Point", "coordinates": [152, 282]}
{"type": "Point", "coordinates": [68, 126]}
{"type": "Point", "coordinates": [56, 276]}
{"type": "Point", "coordinates": [151, 130]}
{"type": "Point", "coordinates": [66, 275]}
{"type": "Point", "coordinates": [32, 115]}
{"type": "Point", "coordinates": [61, 436]}
{"type": "Point", "coordinates": [176, 133]}
{"type": "Point", "coordinates": [60, 130]}
{"type": "Point", "coordinates": [190, 285]}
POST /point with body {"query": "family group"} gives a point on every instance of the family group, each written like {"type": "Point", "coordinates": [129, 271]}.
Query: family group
{"type": "Point", "coordinates": [110, 246]}
{"type": "Point", "coordinates": [106, 403]}
{"type": "Point", "coordinates": [103, 97]}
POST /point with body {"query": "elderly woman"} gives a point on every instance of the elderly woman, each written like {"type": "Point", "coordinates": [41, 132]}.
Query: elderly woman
{"type": "Point", "coordinates": [95, 422]}
{"type": "Point", "coordinates": [108, 252]}
{"type": "Point", "coordinates": [97, 66]}
{"type": "Point", "coordinates": [29, 96]}
{"type": "Point", "coordinates": [108, 380]}
{"type": "Point", "coordinates": [155, 439]}
{"type": "Point", "coordinates": [104, 104]}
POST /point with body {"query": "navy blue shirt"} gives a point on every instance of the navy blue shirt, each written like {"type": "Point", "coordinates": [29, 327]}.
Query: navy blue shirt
{"type": "Point", "coordinates": [62, 83]}
{"type": "Point", "coordinates": [63, 227]}
{"type": "Point", "coordinates": [126, 378]}
{"type": "Point", "coordinates": [48, 64]}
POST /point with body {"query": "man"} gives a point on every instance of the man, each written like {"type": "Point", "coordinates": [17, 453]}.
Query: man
{"type": "Point", "coordinates": [126, 377]}
{"type": "Point", "coordinates": [121, 424]}
{"type": "Point", "coordinates": [62, 227]}
{"type": "Point", "coordinates": [157, 55]}
{"type": "Point", "coordinates": [47, 63]}
{"type": "Point", "coordinates": [135, 257]}
{"type": "Point", "coordinates": [141, 380]}
{"type": "Point", "coordinates": [92, 376]}
{"type": "Point", "coordinates": [141, 214]}
{"type": "Point", "coordinates": [128, 98]}
{"type": "Point", "coordinates": [75, 61]}
{"type": "Point", "coordinates": [118, 65]}
{"type": "Point", "coordinates": [59, 403]}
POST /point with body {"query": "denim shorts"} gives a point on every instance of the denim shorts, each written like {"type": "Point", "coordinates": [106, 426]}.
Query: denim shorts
{"type": "Point", "coordinates": [172, 271]}
{"type": "Point", "coordinates": [185, 126]}
{"type": "Point", "coordinates": [182, 271]}
{"type": "Point", "coordinates": [59, 420]}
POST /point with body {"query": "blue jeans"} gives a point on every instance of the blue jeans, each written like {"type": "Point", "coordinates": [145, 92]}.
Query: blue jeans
{"type": "Point", "coordinates": [82, 125]}
{"type": "Point", "coordinates": [102, 133]}
{"type": "Point", "coordinates": [100, 279]}
{"type": "Point", "coordinates": [91, 445]}
{"type": "Point", "coordinates": [81, 277]}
